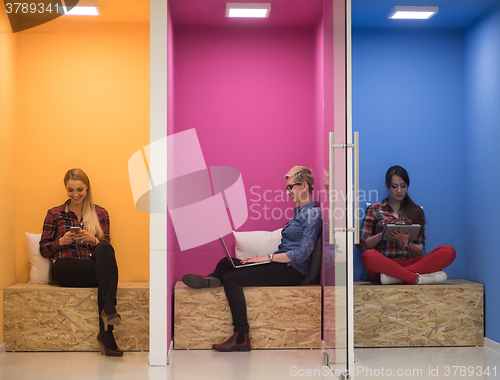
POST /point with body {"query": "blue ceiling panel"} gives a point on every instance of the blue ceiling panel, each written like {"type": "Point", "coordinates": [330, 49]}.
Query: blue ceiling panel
{"type": "Point", "coordinates": [453, 14]}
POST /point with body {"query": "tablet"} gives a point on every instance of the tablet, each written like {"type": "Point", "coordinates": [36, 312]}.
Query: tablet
{"type": "Point", "coordinates": [414, 228]}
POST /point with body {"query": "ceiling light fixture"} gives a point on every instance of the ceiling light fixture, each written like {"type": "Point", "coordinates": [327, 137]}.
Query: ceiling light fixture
{"type": "Point", "coordinates": [255, 10]}
{"type": "Point", "coordinates": [412, 12]}
{"type": "Point", "coordinates": [82, 8]}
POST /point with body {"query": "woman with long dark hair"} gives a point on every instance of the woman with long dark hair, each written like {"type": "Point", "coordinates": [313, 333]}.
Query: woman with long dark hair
{"type": "Point", "coordinates": [76, 238]}
{"type": "Point", "coordinates": [400, 260]}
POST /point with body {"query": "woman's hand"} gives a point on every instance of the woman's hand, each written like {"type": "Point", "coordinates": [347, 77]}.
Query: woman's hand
{"type": "Point", "coordinates": [68, 238]}
{"type": "Point", "coordinates": [404, 239]}
{"type": "Point", "coordinates": [372, 241]}
{"type": "Point", "coordinates": [255, 259]}
{"type": "Point", "coordinates": [84, 236]}
{"type": "Point", "coordinates": [400, 236]}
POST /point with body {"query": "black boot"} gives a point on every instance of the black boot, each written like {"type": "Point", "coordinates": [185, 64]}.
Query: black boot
{"type": "Point", "coordinates": [198, 282]}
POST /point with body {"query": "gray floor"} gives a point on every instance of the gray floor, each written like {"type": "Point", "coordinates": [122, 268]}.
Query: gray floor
{"type": "Point", "coordinates": [371, 363]}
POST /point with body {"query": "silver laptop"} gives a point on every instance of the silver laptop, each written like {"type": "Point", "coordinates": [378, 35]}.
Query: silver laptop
{"type": "Point", "coordinates": [226, 251]}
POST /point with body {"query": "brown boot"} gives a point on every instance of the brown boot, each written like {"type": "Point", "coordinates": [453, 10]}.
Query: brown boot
{"type": "Point", "coordinates": [198, 282]}
{"type": "Point", "coordinates": [231, 345]}
{"type": "Point", "coordinates": [105, 350]}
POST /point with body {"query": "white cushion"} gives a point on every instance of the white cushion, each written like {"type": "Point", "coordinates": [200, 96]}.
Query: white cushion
{"type": "Point", "coordinates": [256, 243]}
{"type": "Point", "coordinates": [39, 273]}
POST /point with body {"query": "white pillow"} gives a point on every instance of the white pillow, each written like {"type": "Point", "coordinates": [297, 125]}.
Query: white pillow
{"type": "Point", "coordinates": [39, 273]}
{"type": "Point", "coordinates": [256, 243]}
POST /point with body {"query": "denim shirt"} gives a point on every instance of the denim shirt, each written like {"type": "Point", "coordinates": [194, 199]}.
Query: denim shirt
{"type": "Point", "coordinates": [299, 236]}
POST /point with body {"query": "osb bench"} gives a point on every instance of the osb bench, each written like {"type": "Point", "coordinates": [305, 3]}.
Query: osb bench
{"type": "Point", "coordinates": [279, 317]}
{"type": "Point", "coordinates": [449, 314]}
{"type": "Point", "coordinates": [52, 318]}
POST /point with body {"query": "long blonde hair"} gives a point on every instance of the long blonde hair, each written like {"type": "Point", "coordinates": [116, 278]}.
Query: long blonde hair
{"type": "Point", "coordinates": [90, 220]}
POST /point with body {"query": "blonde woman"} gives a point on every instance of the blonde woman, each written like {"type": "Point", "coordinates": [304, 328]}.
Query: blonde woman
{"type": "Point", "coordinates": [76, 238]}
{"type": "Point", "coordinates": [289, 265]}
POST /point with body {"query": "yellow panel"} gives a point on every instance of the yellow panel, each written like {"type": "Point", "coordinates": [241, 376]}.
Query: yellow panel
{"type": "Point", "coordinates": [89, 103]}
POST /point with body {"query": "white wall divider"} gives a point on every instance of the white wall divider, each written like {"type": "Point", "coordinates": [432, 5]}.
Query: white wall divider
{"type": "Point", "coordinates": [158, 318]}
{"type": "Point", "coordinates": [492, 345]}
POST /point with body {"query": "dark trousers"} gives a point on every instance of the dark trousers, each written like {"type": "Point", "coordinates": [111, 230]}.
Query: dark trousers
{"type": "Point", "coordinates": [273, 274]}
{"type": "Point", "coordinates": [101, 271]}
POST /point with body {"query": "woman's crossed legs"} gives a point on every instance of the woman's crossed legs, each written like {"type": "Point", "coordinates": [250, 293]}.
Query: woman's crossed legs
{"type": "Point", "coordinates": [406, 270]}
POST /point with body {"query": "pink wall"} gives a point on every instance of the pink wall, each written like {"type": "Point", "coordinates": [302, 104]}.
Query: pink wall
{"type": "Point", "coordinates": [251, 94]}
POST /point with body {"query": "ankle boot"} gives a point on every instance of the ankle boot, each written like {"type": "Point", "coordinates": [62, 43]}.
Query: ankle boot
{"type": "Point", "coordinates": [231, 345]}
{"type": "Point", "coordinates": [108, 349]}
{"type": "Point", "coordinates": [199, 282]}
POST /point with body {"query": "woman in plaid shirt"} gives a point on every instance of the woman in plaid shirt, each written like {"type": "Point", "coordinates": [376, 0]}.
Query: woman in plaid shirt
{"type": "Point", "coordinates": [400, 260]}
{"type": "Point", "coordinates": [76, 238]}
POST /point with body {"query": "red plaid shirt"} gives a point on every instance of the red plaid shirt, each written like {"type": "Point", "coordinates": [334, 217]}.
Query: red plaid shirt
{"type": "Point", "coordinates": [57, 222]}
{"type": "Point", "coordinates": [377, 216]}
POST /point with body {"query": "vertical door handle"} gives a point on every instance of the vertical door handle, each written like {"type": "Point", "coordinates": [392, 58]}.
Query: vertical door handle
{"type": "Point", "coordinates": [355, 147]}
{"type": "Point", "coordinates": [331, 186]}
{"type": "Point", "coordinates": [356, 186]}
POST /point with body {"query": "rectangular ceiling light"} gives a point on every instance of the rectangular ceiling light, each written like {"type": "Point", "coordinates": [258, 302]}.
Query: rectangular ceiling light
{"type": "Point", "coordinates": [83, 8]}
{"type": "Point", "coordinates": [412, 12]}
{"type": "Point", "coordinates": [261, 10]}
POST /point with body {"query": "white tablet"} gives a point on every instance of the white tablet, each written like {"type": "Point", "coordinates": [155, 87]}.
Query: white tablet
{"type": "Point", "coordinates": [414, 228]}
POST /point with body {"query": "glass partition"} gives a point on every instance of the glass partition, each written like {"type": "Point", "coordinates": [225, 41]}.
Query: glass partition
{"type": "Point", "coordinates": [337, 242]}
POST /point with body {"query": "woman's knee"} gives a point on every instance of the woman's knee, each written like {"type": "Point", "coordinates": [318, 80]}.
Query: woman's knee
{"type": "Point", "coordinates": [104, 251]}
{"type": "Point", "coordinates": [227, 277]}
{"type": "Point", "coordinates": [369, 255]}
{"type": "Point", "coordinates": [230, 277]}
{"type": "Point", "coordinates": [107, 248]}
{"type": "Point", "coordinates": [449, 251]}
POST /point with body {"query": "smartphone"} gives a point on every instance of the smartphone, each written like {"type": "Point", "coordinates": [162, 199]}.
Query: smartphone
{"type": "Point", "coordinates": [74, 229]}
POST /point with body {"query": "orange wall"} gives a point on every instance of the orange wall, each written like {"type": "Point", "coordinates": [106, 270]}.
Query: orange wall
{"type": "Point", "coordinates": [82, 101]}
{"type": "Point", "coordinates": [7, 158]}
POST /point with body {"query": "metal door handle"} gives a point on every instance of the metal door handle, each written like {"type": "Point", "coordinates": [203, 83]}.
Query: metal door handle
{"type": "Point", "coordinates": [355, 147]}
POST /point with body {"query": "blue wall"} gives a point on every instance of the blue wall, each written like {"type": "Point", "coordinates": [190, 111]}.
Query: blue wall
{"type": "Point", "coordinates": [482, 133]}
{"type": "Point", "coordinates": [408, 105]}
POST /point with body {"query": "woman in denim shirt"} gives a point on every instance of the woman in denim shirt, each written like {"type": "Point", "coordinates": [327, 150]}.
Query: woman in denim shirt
{"type": "Point", "coordinates": [289, 264]}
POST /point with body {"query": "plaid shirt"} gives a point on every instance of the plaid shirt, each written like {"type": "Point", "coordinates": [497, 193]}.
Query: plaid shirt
{"type": "Point", "coordinates": [57, 222]}
{"type": "Point", "coordinates": [377, 216]}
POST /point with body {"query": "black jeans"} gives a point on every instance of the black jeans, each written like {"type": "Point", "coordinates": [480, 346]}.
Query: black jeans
{"type": "Point", "coordinates": [101, 271]}
{"type": "Point", "coordinates": [273, 274]}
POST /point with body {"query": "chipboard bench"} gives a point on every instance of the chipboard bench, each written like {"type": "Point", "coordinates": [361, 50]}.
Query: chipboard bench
{"type": "Point", "coordinates": [52, 318]}
{"type": "Point", "coordinates": [279, 317]}
{"type": "Point", "coordinates": [448, 314]}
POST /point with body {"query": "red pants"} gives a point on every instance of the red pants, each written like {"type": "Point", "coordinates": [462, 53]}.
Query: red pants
{"type": "Point", "coordinates": [376, 263]}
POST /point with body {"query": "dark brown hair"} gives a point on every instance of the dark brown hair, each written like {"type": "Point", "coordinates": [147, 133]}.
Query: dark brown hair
{"type": "Point", "coordinates": [408, 207]}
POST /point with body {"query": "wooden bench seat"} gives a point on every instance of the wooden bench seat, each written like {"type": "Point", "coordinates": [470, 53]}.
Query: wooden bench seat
{"type": "Point", "coordinates": [279, 317]}
{"type": "Point", "coordinates": [449, 314]}
{"type": "Point", "coordinates": [52, 318]}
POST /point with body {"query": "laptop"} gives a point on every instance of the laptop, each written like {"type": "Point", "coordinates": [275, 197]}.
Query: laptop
{"type": "Point", "coordinates": [226, 251]}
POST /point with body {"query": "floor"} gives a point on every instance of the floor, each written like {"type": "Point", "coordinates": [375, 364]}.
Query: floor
{"type": "Point", "coordinates": [371, 363]}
